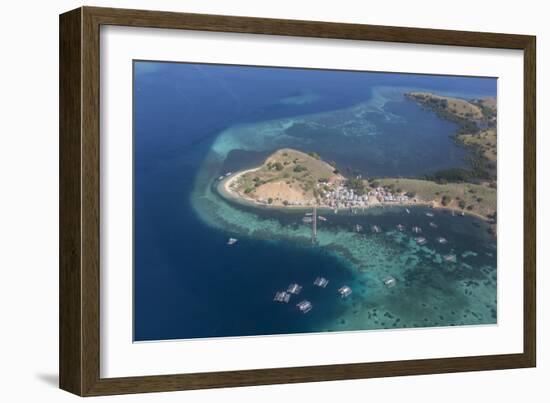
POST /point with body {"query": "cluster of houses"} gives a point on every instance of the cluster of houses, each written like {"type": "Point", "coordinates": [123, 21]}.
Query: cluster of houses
{"type": "Point", "coordinates": [344, 197]}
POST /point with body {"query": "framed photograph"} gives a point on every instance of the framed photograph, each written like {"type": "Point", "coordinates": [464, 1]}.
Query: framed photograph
{"type": "Point", "coordinates": [249, 201]}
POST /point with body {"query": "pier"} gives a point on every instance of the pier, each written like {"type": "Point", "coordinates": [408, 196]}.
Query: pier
{"type": "Point", "coordinates": [314, 225]}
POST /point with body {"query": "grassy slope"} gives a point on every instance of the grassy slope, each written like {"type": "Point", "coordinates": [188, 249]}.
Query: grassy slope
{"type": "Point", "coordinates": [430, 191]}
{"type": "Point", "coordinates": [456, 106]}
{"type": "Point", "coordinates": [278, 171]}
{"type": "Point", "coordinates": [486, 141]}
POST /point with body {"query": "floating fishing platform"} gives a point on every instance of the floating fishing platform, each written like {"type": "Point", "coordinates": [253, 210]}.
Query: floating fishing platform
{"type": "Point", "coordinates": [344, 291]}
{"type": "Point", "coordinates": [321, 282]}
{"type": "Point", "coordinates": [282, 296]}
{"type": "Point", "coordinates": [304, 306]}
{"type": "Point", "coordinates": [294, 288]}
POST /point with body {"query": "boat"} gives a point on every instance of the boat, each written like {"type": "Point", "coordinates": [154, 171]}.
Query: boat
{"type": "Point", "coordinates": [294, 289]}
{"type": "Point", "coordinates": [335, 211]}
{"type": "Point", "coordinates": [462, 213]}
{"type": "Point", "coordinates": [441, 240]}
{"type": "Point", "coordinates": [389, 281]}
{"type": "Point", "coordinates": [358, 228]}
{"type": "Point", "coordinates": [308, 214]}
{"type": "Point", "coordinates": [449, 258]}
{"type": "Point", "coordinates": [430, 214]}
{"type": "Point", "coordinates": [421, 240]}
{"type": "Point", "coordinates": [321, 282]}
{"type": "Point", "coordinates": [321, 218]}
{"type": "Point", "coordinates": [453, 213]}
{"type": "Point", "coordinates": [228, 173]}
{"type": "Point", "coordinates": [344, 291]}
{"type": "Point", "coordinates": [400, 227]}
{"type": "Point", "coordinates": [232, 241]}
{"type": "Point", "coordinates": [375, 229]}
{"type": "Point", "coordinates": [307, 219]}
{"type": "Point", "coordinates": [408, 211]}
{"type": "Point", "coordinates": [282, 296]}
{"type": "Point", "coordinates": [416, 230]}
{"type": "Point", "coordinates": [221, 178]}
{"type": "Point", "coordinates": [304, 306]}
{"type": "Point", "coordinates": [433, 225]}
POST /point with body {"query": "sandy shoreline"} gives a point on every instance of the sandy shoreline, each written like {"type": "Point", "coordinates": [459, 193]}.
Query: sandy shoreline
{"type": "Point", "coordinates": [224, 189]}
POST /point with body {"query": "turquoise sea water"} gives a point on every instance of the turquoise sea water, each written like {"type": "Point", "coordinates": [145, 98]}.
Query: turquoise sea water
{"type": "Point", "coordinates": [196, 122]}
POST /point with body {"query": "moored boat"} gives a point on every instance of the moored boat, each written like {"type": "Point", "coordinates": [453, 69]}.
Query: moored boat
{"type": "Point", "coordinates": [421, 240]}
{"type": "Point", "coordinates": [375, 229]}
{"type": "Point", "coordinates": [449, 258]}
{"type": "Point", "coordinates": [389, 281]}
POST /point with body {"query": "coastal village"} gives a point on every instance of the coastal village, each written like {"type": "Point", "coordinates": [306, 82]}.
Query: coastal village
{"type": "Point", "coordinates": [340, 196]}
{"type": "Point", "coordinates": [343, 197]}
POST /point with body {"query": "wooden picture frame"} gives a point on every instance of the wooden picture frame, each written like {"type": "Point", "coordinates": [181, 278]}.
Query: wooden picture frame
{"type": "Point", "coordinates": [79, 348]}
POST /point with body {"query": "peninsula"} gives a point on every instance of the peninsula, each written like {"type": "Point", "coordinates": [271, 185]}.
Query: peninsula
{"type": "Point", "coordinates": [477, 129]}
{"type": "Point", "coordinates": [290, 178]}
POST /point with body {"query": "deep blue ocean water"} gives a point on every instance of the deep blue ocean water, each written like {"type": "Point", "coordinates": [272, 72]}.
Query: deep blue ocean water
{"type": "Point", "coordinates": [188, 284]}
